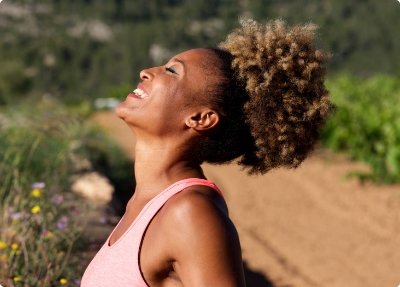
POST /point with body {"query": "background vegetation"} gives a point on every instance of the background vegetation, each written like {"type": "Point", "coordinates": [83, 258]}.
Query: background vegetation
{"type": "Point", "coordinates": [76, 50]}
{"type": "Point", "coordinates": [40, 219]}
{"type": "Point", "coordinates": [367, 123]}
{"type": "Point", "coordinates": [57, 53]}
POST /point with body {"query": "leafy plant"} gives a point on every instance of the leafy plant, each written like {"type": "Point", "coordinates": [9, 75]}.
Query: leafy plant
{"type": "Point", "coordinates": [366, 125]}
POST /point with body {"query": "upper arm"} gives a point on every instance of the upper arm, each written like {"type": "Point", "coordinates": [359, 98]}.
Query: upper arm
{"type": "Point", "coordinates": [203, 243]}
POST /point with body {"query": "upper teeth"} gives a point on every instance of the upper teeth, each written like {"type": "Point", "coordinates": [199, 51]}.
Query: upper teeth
{"type": "Point", "coordinates": [140, 93]}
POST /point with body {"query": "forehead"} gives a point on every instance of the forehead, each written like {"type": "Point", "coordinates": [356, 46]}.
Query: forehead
{"type": "Point", "coordinates": [197, 59]}
{"type": "Point", "coordinates": [195, 54]}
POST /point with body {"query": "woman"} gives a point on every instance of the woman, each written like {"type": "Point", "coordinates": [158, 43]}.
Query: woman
{"type": "Point", "coordinates": [259, 98]}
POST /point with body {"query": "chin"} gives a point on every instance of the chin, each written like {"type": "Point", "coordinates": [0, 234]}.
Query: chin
{"type": "Point", "coordinates": [120, 111]}
{"type": "Point", "coordinates": [124, 113]}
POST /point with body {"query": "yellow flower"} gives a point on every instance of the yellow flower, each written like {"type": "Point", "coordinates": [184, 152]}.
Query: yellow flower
{"type": "Point", "coordinates": [35, 209]}
{"type": "Point", "coordinates": [48, 234]}
{"type": "Point", "coordinates": [18, 252]}
{"type": "Point", "coordinates": [4, 258]}
{"type": "Point", "coordinates": [3, 245]}
{"type": "Point", "coordinates": [63, 281]}
{"type": "Point", "coordinates": [36, 192]}
{"type": "Point", "coordinates": [16, 278]}
{"type": "Point", "coordinates": [14, 246]}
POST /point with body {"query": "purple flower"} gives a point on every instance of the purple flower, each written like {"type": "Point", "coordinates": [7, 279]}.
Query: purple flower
{"type": "Point", "coordinates": [57, 199]}
{"type": "Point", "coordinates": [103, 220]}
{"type": "Point", "coordinates": [76, 211]}
{"type": "Point", "coordinates": [78, 282]}
{"type": "Point", "coordinates": [64, 219]}
{"type": "Point", "coordinates": [38, 185]}
{"type": "Point", "coordinates": [62, 222]}
{"type": "Point", "coordinates": [61, 225]}
{"type": "Point", "coordinates": [17, 215]}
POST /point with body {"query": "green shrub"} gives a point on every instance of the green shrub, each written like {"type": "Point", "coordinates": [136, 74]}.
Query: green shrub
{"type": "Point", "coordinates": [366, 124]}
{"type": "Point", "coordinates": [40, 220]}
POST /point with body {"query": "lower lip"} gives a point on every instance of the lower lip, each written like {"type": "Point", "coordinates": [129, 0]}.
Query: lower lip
{"type": "Point", "coordinates": [132, 95]}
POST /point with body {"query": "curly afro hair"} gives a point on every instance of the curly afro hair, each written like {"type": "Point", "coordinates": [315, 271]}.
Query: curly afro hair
{"type": "Point", "coordinates": [272, 83]}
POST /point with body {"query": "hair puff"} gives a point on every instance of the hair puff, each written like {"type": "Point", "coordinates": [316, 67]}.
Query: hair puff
{"type": "Point", "coordinates": [283, 76]}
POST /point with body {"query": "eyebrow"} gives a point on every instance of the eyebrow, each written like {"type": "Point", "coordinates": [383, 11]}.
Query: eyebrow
{"type": "Point", "coordinates": [180, 61]}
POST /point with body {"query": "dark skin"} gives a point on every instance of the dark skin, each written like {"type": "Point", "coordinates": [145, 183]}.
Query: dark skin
{"type": "Point", "coordinates": [191, 241]}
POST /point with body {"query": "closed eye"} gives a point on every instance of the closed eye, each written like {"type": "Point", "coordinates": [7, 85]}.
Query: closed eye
{"type": "Point", "coordinates": [171, 70]}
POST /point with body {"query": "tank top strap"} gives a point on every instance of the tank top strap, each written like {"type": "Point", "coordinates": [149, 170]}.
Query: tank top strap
{"type": "Point", "coordinates": [181, 185]}
{"type": "Point", "coordinates": [154, 205]}
{"type": "Point", "coordinates": [150, 210]}
{"type": "Point", "coordinates": [120, 261]}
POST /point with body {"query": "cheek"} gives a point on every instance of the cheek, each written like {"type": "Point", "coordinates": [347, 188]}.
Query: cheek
{"type": "Point", "coordinates": [162, 113]}
{"type": "Point", "coordinates": [168, 100]}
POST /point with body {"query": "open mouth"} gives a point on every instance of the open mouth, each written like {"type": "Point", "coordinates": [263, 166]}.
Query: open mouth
{"type": "Point", "coordinates": [140, 93]}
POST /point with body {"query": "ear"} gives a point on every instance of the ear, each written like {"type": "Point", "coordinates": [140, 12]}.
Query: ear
{"type": "Point", "coordinates": [202, 121]}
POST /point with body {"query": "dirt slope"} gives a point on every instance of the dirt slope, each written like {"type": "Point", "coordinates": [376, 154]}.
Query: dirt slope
{"type": "Point", "coordinates": [308, 227]}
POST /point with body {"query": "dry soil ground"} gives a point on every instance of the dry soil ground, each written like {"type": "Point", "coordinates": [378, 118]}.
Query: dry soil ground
{"type": "Point", "coordinates": [306, 227]}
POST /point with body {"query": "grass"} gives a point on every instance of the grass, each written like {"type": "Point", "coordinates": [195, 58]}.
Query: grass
{"type": "Point", "coordinates": [41, 221]}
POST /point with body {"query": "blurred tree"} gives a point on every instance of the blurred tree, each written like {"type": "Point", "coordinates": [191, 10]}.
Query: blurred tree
{"type": "Point", "coordinates": [80, 49]}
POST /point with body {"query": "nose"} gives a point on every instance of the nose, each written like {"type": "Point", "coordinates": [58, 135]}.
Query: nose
{"type": "Point", "coordinates": [148, 74]}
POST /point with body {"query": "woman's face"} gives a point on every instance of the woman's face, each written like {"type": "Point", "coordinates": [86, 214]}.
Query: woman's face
{"type": "Point", "coordinates": [170, 93]}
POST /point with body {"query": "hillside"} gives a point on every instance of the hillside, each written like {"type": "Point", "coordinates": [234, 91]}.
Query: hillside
{"type": "Point", "coordinates": [77, 50]}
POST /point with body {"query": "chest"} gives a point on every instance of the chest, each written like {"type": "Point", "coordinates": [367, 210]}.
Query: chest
{"type": "Point", "coordinates": [133, 210]}
{"type": "Point", "coordinates": [154, 264]}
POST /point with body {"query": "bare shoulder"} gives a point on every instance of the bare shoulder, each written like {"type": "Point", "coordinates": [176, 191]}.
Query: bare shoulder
{"type": "Point", "coordinates": [196, 199]}
{"type": "Point", "coordinates": [203, 241]}
{"type": "Point", "coordinates": [198, 210]}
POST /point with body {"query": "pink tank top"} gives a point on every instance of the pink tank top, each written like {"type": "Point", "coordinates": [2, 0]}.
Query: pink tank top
{"type": "Point", "coordinates": [118, 264]}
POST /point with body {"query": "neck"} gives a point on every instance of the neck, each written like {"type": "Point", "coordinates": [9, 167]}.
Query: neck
{"type": "Point", "coordinates": [158, 165]}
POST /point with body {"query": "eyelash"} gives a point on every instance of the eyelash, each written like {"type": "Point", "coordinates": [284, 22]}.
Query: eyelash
{"type": "Point", "coordinates": [169, 69]}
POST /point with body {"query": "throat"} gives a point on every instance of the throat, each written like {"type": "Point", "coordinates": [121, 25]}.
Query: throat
{"type": "Point", "coordinates": [153, 179]}
{"type": "Point", "coordinates": [162, 158]}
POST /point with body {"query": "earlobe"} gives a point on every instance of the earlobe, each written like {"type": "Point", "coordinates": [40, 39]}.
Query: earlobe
{"type": "Point", "coordinates": [203, 121]}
